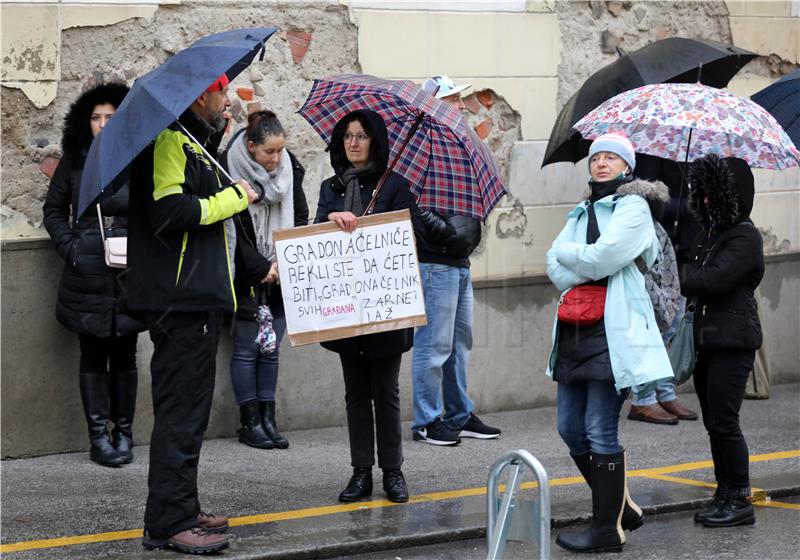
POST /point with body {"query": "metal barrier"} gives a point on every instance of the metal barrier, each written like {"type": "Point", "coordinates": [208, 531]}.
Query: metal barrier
{"type": "Point", "coordinates": [514, 518]}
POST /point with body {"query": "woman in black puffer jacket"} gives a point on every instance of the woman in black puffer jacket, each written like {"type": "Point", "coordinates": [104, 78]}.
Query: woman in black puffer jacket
{"type": "Point", "coordinates": [725, 266]}
{"type": "Point", "coordinates": [89, 294]}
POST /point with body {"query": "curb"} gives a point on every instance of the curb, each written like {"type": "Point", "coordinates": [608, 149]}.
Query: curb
{"type": "Point", "coordinates": [462, 533]}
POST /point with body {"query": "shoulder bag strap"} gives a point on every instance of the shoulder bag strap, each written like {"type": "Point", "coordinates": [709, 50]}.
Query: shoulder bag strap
{"type": "Point", "coordinates": [102, 224]}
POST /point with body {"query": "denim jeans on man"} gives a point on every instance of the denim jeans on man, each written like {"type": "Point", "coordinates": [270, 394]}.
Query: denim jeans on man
{"type": "Point", "coordinates": [664, 388]}
{"type": "Point", "coordinates": [588, 416]}
{"type": "Point", "coordinates": [254, 374]}
{"type": "Point", "coordinates": [441, 348]}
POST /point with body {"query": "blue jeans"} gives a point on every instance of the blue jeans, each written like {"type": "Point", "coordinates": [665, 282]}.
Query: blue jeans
{"type": "Point", "coordinates": [665, 392]}
{"type": "Point", "coordinates": [441, 348]}
{"type": "Point", "coordinates": [588, 416]}
{"type": "Point", "coordinates": [665, 388]}
{"type": "Point", "coordinates": [254, 375]}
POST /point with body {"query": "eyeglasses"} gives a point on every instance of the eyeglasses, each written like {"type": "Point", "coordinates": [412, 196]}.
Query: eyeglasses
{"type": "Point", "coordinates": [360, 137]}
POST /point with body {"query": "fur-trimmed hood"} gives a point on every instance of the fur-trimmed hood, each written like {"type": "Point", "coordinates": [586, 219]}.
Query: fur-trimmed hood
{"type": "Point", "coordinates": [728, 184]}
{"type": "Point", "coordinates": [77, 135]}
{"type": "Point", "coordinates": [656, 193]}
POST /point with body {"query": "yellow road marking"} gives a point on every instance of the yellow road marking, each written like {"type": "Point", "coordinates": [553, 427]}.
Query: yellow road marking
{"type": "Point", "coordinates": [688, 481]}
{"type": "Point", "coordinates": [781, 505]}
{"type": "Point", "coordinates": [759, 494]}
{"type": "Point", "coordinates": [656, 472]}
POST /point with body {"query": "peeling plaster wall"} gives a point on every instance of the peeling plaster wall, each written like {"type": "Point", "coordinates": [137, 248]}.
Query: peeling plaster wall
{"type": "Point", "coordinates": [590, 28]}
{"type": "Point", "coordinates": [131, 48]}
{"type": "Point", "coordinates": [523, 227]}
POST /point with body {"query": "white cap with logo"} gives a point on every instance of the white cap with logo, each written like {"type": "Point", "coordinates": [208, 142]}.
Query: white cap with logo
{"type": "Point", "coordinates": [446, 86]}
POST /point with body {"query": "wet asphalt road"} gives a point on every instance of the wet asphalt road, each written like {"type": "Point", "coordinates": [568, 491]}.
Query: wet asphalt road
{"type": "Point", "coordinates": [284, 502]}
{"type": "Point", "coordinates": [776, 536]}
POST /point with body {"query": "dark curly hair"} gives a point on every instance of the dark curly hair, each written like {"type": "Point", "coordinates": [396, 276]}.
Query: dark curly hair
{"type": "Point", "coordinates": [77, 132]}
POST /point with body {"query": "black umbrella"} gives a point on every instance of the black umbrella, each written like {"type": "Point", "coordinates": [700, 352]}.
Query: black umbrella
{"type": "Point", "coordinates": [782, 100]}
{"type": "Point", "coordinates": [670, 60]}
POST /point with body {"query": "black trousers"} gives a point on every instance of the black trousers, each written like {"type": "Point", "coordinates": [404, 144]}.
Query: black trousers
{"type": "Point", "coordinates": [720, 378]}
{"type": "Point", "coordinates": [371, 382]}
{"type": "Point", "coordinates": [183, 371]}
{"type": "Point", "coordinates": [113, 353]}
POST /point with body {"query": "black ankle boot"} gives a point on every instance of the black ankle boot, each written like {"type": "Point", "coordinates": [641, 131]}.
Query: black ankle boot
{"type": "Point", "coordinates": [394, 484]}
{"type": "Point", "coordinates": [608, 500]}
{"type": "Point", "coordinates": [123, 407]}
{"type": "Point", "coordinates": [94, 395]}
{"type": "Point", "coordinates": [714, 505]}
{"type": "Point", "coordinates": [252, 432]}
{"type": "Point", "coordinates": [270, 427]}
{"type": "Point", "coordinates": [359, 487]}
{"type": "Point", "coordinates": [632, 517]}
{"type": "Point", "coordinates": [736, 509]}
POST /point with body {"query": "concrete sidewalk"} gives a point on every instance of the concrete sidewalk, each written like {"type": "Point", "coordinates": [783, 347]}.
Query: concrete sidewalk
{"type": "Point", "coordinates": [284, 502]}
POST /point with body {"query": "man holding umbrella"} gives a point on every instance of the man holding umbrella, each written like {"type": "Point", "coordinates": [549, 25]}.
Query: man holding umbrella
{"type": "Point", "coordinates": [442, 408]}
{"type": "Point", "coordinates": [180, 278]}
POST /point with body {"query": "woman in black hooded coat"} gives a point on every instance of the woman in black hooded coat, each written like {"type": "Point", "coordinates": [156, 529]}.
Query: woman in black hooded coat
{"type": "Point", "coordinates": [90, 293]}
{"type": "Point", "coordinates": [725, 266]}
{"type": "Point", "coordinates": [359, 152]}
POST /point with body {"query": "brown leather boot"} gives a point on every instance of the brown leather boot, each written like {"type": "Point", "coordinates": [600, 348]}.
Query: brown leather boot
{"type": "Point", "coordinates": [651, 413]}
{"type": "Point", "coordinates": [212, 523]}
{"type": "Point", "coordinates": [191, 541]}
{"type": "Point", "coordinates": [677, 409]}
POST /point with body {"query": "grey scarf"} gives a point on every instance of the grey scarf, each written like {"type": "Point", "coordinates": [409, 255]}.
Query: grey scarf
{"type": "Point", "coordinates": [351, 179]}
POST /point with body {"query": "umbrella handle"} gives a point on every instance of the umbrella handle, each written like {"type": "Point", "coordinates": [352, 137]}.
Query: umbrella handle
{"type": "Point", "coordinates": [206, 153]}
{"type": "Point", "coordinates": [385, 175]}
{"type": "Point", "coordinates": [683, 182]}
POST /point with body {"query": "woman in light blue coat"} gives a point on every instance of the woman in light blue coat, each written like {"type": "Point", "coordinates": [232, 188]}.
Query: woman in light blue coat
{"type": "Point", "coordinates": [607, 241]}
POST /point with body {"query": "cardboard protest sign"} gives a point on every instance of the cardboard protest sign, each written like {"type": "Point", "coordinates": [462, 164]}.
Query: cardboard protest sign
{"type": "Point", "coordinates": [337, 284]}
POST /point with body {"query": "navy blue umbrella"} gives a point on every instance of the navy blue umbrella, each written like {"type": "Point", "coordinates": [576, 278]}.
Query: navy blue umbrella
{"type": "Point", "coordinates": [782, 100]}
{"type": "Point", "coordinates": [159, 97]}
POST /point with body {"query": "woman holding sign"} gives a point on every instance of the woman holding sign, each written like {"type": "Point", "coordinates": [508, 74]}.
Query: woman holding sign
{"type": "Point", "coordinates": [258, 154]}
{"type": "Point", "coordinates": [359, 151]}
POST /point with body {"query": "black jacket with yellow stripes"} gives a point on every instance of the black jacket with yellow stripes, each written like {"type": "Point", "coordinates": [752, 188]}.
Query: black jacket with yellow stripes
{"type": "Point", "coordinates": [177, 251]}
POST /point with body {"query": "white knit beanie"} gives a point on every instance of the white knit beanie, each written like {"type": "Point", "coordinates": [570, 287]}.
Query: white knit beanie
{"type": "Point", "coordinates": [617, 143]}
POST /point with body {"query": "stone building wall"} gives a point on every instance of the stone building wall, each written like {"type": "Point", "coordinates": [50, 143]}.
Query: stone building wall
{"type": "Point", "coordinates": [315, 39]}
{"type": "Point", "coordinates": [524, 59]}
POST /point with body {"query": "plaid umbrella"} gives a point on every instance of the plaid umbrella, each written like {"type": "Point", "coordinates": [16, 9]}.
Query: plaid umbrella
{"type": "Point", "coordinates": [688, 121]}
{"type": "Point", "coordinates": [450, 169]}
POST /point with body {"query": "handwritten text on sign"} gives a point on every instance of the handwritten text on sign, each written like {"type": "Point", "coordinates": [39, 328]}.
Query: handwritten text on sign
{"type": "Point", "coordinates": [337, 284]}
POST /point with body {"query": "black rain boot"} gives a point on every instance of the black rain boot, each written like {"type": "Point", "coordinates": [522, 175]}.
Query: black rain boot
{"type": "Point", "coordinates": [123, 407]}
{"type": "Point", "coordinates": [632, 517]}
{"type": "Point", "coordinates": [270, 426]}
{"type": "Point", "coordinates": [94, 395]}
{"type": "Point", "coordinates": [252, 432]}
{"type": "Point", "coordinates": [360, 485]}
{"type": "Point", "coordinates": [608, 499]}
{"type": "Point", "coordinates": [394, 484]}
{"type": "Point", "coordinates": [737, 509]}
{"type": "Point", "coordinates": [714, 505]}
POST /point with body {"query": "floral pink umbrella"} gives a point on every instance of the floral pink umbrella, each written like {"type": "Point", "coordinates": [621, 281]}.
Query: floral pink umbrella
{"type": "Point", "coordinates": [683, 122]}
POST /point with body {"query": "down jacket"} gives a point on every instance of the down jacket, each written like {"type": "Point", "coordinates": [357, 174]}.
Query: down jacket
{"type": "Point", "coordinates": [627, 240]}
{"type": "Point", "coordinates": [726, 316]}
{"type": "Point", "coordinates": [90, 294]}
